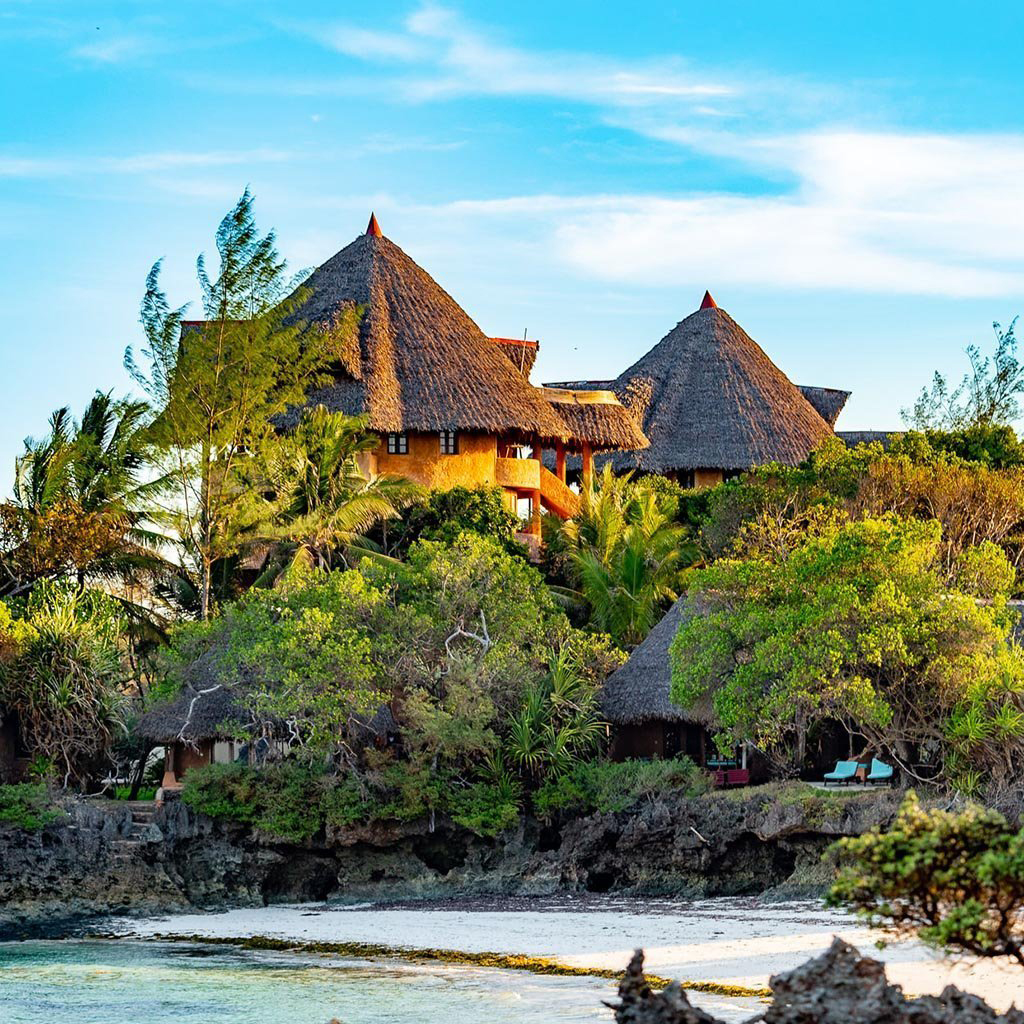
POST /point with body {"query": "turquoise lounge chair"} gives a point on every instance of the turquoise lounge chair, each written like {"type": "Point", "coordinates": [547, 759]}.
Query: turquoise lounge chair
{"type": "Point", "coordinates": [845, 772]}
{"type": "Point", "coordinates": [880, 773]}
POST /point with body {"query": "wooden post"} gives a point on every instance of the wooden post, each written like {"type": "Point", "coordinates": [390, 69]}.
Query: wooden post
{"type": "Point", "coordinates": [588, 465]}
{"type": "Point", "coordinates": [535, 517]}
{"type": "Point", "coordinates": [560, 461]}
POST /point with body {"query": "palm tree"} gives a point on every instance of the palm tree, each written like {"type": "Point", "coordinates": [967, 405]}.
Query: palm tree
{"type": "Point", "coordinates": [624, 553]}
{"type": "Point", "coordinates": [83, 497]}
{"type": "Point", "coordinates": [324, 500]}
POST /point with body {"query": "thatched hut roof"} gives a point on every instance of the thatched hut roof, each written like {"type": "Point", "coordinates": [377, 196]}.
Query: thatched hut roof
{"type": "Point", "coordinates": [521, 353]}
{"type": "Point", "coordinates": [208, 716]}
{"type": "Point", "coordinates": [828, 402]}
{"type": "Point", "coordinates": [639, 691]}
{"type": "Point", "coordinates": [852, 438]}
{"type": "Point", "coordinates": [710, 398]}
{"type": "Point", "coordinates": [419, 362]}
{"type": "Point", "coordinates": [597, 417]}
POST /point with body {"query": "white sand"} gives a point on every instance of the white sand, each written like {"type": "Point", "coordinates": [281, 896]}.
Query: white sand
{"type": "Point", "coordinates": [736, 942]}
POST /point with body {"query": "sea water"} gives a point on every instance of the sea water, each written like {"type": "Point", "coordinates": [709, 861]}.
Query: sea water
{"type": "Point", "coordinates": [134, 982]}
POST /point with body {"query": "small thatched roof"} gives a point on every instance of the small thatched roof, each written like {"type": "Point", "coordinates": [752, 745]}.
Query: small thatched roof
{"type": "Point", "coordinates": [639, 691]}
{"type": "Point", "coordinates": [828, 402]}
{"type": "Point", "coordinates": [852, 438]}
{"type": "Point", "coordinates": [209, 716]}
{"type": "Point", "coordinates": [710, 398]}
{"type": "Point", "coordinates": [596, 416]}
{"type": "Point", "coordinates": [521, 353]}
{"type": "Point", "coordinates": [419, 362]}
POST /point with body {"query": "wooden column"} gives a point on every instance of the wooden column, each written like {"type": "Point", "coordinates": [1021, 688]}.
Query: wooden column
{"type": "Point", "coordinates": [535, 517]}
{"type": "Point", "coordinates": [588, 465]}
{"type": "Point", "coordinates": [560, 461]}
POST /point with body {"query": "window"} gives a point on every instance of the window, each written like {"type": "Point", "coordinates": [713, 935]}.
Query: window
{"type": "Point", "coordinates": [398, 444]}
{"type": "Point", "coordinates": [685, 478]}
{"type": "Point", "coordinates": [449, 442]}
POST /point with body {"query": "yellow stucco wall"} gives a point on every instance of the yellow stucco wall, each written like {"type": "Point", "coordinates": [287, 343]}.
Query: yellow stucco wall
{"type": "Point", "coordinates": [473, 466]}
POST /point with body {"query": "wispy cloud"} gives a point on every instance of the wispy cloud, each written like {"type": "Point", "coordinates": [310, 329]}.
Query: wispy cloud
{"type": "Point", "coordinates": [12, 166]}
{"type": "Point", "coordinates": [115, 49]}
{"type": "Point", "coordinates": [435, 54]}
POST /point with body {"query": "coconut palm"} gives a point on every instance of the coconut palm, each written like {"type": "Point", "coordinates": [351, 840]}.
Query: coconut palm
{"type": "Point", "coordinates": [324, 500]}
{"type": "Point", "coordinates": [624, 553]}
{"type": "Point", "coordinates": [83, 500]}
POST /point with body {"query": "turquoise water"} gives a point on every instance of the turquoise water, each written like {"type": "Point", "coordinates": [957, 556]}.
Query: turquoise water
{"type": "Point", "coordinates": [90, 982]}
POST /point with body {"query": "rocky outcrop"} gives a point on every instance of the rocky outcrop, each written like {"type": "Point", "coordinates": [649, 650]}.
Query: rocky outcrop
{"type": "Point", "coordinates": [839, 987]}
{"type": "Point", "coordinates": [119, 858]}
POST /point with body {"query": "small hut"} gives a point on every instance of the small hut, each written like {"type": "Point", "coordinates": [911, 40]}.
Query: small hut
{"type": "Point", "coordinates": [637, 703]}
{"type": "Point", "coordinates": [199, 727]}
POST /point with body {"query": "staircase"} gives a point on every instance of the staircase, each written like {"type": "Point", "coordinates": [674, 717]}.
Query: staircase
{"type": "Point", "coordinates": [556, 496]}
{"type": "Point", "coordinates": [142, 830]}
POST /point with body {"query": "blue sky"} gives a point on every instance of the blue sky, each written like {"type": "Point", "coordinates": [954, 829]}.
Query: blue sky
{"type": "Point", "coordinates": [847, 179]}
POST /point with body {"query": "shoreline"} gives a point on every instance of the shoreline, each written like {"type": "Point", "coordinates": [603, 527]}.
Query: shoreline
{"type": "Point", "coordinates": [714, 945]}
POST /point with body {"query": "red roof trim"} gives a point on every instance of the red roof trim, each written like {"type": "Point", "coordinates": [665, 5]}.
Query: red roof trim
{"type": "Point", "coordinates": [515, 341]}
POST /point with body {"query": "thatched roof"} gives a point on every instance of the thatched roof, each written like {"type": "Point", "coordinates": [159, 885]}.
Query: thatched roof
{"type": "Point", "coordinates": [828, 402]}
{"type": "Point", "coordinates": [596, 416]}
{"type": "Point", "coordinates": [207, 717]}
{"type": "Point", "coordinates": [711, 399]}
{"type": "Point", "coordinates": [522, 354]}
{"type": "Point", "coordinates": [419, 362]}
{"type": "Point", "coordinates": [639, 691]}
{"type": "Point", "coordinates": [852, 438]}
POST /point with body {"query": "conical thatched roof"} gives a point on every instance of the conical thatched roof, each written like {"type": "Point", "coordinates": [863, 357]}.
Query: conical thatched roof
{"type": "Point", "coordinates": [639, 691]}
{"type": "Point", "coordinates": [828, 402]}
{"type": "Point", "coordinates": [712, 399]}
{"type": "Point", "coordinates": [420, 362]}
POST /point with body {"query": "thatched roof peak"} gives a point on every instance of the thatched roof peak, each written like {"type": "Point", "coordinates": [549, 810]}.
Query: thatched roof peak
{"type": "Point", "coordinates": [419, 362]}
{"type": "Point", "coordinates": [708, 302]}
{"type": "Point", "coordinates": [710, 398]}
{"type": "Point", "coordinates": [373, 228]}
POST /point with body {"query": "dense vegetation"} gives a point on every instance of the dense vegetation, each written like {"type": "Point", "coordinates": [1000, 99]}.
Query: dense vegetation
{"type": "Point", "coordinates": [956, 880]}
{"type": "Point", "coordinates": [394, 656]}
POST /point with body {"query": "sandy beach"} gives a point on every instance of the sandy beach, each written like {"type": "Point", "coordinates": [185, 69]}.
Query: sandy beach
{"type": "Point", "coordinates": [731, 941]}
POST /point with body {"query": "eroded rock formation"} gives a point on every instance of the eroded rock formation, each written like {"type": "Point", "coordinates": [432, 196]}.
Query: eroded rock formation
{"type": "Point", "coordinates": [838, 987]}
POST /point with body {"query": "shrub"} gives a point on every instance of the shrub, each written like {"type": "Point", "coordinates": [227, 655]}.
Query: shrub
{"type": "Point", "coordinates": [610, 786]}
{"type": "Point", "coordinates": [486, 808]}
{"type": "Point", "coordinates": [26, 806]}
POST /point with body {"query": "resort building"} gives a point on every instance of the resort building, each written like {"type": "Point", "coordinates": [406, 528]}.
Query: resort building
{"type": "Point", "coordinates": [713, 404]}
{"type": "Point", "coordinates": [452, 406]}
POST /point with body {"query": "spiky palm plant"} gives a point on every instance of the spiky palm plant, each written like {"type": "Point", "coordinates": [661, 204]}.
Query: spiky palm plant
{"type": "Point", "coordinates": [624, 553]}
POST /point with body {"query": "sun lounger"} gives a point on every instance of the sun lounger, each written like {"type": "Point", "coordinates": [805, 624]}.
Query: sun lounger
{"type": "Point", "coordinates": [881, 773]}
{"type": "Point", "coordinates": [845, 772]}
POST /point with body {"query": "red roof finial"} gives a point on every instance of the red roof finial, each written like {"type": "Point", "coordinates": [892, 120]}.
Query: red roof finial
{"type": "Point", "coordinates": [373, 228]}
{"type": "Point", "coordinates": [707, 302]}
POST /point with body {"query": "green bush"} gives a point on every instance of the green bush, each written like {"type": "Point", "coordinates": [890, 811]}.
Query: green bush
{"type": "Point", "coordinates": [226, 791]}
{"type": "Point", "coordinates": [486, 808]}
{"type": "Point", "coordinates": [26, 806]}
{"type": "Point", "coordinates": [608, 786]}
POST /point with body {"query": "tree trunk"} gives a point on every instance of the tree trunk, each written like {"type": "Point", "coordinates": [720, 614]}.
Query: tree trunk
{"type": "Point", "coordinates": [140, 772]}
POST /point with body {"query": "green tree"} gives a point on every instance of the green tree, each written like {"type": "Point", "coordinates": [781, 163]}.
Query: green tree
{"type": "Point", "coordinates": [953, 879]}
{"type": "Point", "coordinates": [323, 503]}
{"type": "Point", "coordinates": [220, 385]}
{"type": "Point", "coordinates": [987, 395]}
{"type": "Point", "coordinates": [62, 675]}
{"type": "Point", "coordinates": [83, 498]}
{"type": "Point", "coordinates": [860, 624]}
{"type": "Point", "coordinates": [623, 553]}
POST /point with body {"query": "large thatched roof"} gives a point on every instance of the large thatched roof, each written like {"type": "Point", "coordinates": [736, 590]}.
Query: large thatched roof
{"type": "Point", "coordinates": [711, 399]}
{"type": "Point", "coordinates": [639, 691]}
{"type": "Point", "coordinates": [597, 417]}
{"type": "Point", "coordinates": [420, 362]}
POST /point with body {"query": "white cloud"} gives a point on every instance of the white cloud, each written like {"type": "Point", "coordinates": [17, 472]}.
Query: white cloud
{"type": "Point", "coordinates": [868, 212]}
{"type": "Point", "coordinates": [139, 163]}
{"type": "Point", "coordinates": [114, 50]}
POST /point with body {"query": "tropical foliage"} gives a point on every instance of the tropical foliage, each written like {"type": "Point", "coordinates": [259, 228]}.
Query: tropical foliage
{"type": "Point", "coordinates": [61, 674]}
{"type": "Point", "coordinates": [860, 624]}
{"type": "Point", "coordinates": [623, 555]}
{"type": "Point", "coordinates": [953, 879]}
